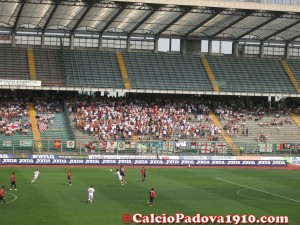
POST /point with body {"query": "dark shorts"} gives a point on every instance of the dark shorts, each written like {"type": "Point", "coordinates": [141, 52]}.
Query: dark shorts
{"type": "Point", "coordinates": [122, 174]}
{"type": "Point", "coordinates": [13, 182]}
{"type": "Point", "coordinates": [144, 175]}
{"type": "Point", "coordinates": [1, 198]}
{"type": "Point", "coordinates": [69, 178]}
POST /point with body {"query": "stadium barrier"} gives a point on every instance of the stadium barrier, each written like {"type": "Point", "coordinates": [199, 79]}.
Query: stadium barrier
{"type": "Point", "coordinates": [130, 147]}
{"type": "Point", "coordinates": [154, 162]}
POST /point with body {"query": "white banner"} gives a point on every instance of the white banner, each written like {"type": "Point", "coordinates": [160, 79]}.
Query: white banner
{"type": "Point", "coordinates": [7, 143]}
{"type": "Point", "coordinates": [121, 145]}
{"type": "Point", "coordinates": [26, 143]}
{"type": "Point", "coordinates": [70, 144]}
{"type": "Point", "coordinates": [36, 83]}
{"type": "Point", "coordinates": [111, 146]}
{"type": "Point", "coordinates": [265, 147]}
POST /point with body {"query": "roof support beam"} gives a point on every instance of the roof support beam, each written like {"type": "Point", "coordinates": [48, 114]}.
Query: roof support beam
{"type": "Point", "coordinates": [184, 12]}
{"type": "Point", "coordinates": [50, 16]}
{"type": "Point", "coordinates": [293, 38]}
{"type": "Point", "coordinates": [202, 23]}
{"type": "Point", "coordinates": [259, 26]}
{"type": "Point", "coordinates": [90, 5]}
{"type": "Point", "coordinates": [153, 10]}
{"type": "Point", "coordinates": [120, 10]}
{"type": "Point", "coordinates": [18, 15]}
{"type": "Point", "coordinates": [281, 30]}
{"type": "Point", "coordinates": [231, 24]}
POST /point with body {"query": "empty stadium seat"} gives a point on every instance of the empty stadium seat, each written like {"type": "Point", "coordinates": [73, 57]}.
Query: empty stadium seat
{"type": "Point", "coordinates": [250, 74]}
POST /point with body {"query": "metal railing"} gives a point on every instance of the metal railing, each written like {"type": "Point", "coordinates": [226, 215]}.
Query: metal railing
{"type": "Point", "coordinates": [280, 2]}
{"type": "Point", "coordinates": [129, 147]}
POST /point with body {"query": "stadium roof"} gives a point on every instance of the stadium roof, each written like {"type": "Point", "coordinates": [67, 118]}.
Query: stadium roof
{"type": "Point", "coordinates": [184, 19]}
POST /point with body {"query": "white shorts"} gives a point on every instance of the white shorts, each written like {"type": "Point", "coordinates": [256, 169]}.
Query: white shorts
{"type": "Point", "coordinates": [120, 178]}
{"type": "Point", "coordinates": [91, 196]}
{"type": "Point", "coordinates": [35, 177]}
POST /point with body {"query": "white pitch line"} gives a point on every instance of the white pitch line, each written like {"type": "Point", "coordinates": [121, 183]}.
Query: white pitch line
{"type": "Point", "coordinates": [270, 193]}
{"type": "Point", "coordinates": [14, 199]}
{"type": "Point", "coordinates": [240, 194]}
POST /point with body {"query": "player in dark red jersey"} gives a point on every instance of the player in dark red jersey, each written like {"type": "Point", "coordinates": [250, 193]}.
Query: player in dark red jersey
{"type": "Point", "coordinates": [70, 177]}
{"type": "Point", "coordinates": [122, 173]}
{"type": "Point", "coordinates": [152, 195]}
{"type": "Point", "coordinates": [143, 172]}
{"type": "Point", "coordinates": [13, 182]}
{"type": "Point", "coordinates": [2, 195]}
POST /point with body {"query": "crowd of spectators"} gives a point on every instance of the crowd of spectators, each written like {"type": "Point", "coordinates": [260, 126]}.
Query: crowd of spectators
{"type": "Point", "coordinates": [45, 112]}
{"type": "Point", "coordinates": [237, 116]}
{"type": "Point", "coordinates": [14, 114]}
{"type": "Point", "coordinates": [110, 118]}
{"type": "Point", "coordinates": [14, 117]}
{"type": "Point", "coordinates": [164, 119]}
{"type": "Point", "coordinates": [168, 118]}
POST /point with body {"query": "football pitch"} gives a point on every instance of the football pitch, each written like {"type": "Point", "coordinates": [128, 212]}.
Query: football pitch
{"type": "Point", "coordinates": [51, 201]}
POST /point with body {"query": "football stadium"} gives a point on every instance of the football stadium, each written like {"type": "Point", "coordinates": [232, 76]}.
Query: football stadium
{"type": "Point", "coordinates": [149, 112]}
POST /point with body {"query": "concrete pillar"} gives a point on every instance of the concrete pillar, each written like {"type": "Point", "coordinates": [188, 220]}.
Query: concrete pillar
{"type": "Point", "coordinates": [235, 48]}
{"type": "Point", "coordinates": [100, 41]}
{"type": "Point", "coordinates": [261, 50]}
{"type": "Point", "coordinates": [209, 47]}
{"type": "Point", "coordinates": [72, 41]}
{"type": "Point", "coordinates": [128, 45]}
{"type": "Point", "coordinates": [43, 40]}
{"type": "Point", "coordinates": [13, 93]}
{"type": "Point", "coordinates": [287, 51]}
{"type": "Point", "coordinates": [155, 45]}
{"type": "Point", "coordinates": [183, 45]}
{"type": "Point", "coordinates": [13, 39]}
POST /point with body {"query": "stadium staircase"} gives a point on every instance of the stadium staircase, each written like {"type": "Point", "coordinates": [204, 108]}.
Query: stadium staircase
{"type": "Point", "coordinates": [210, 74]}
{"type": "Point", "coordinates": [233, 147]}
{"type": "Point", "coordinates": [35, 129]}
{"type": "Point", "coordinates": [123, 70]}
{"type": "Point", "coordinates": [295, 118]}
{"type": "Point", "coordinates": [295, 68]}
{"type": "Point", "coordinates": [291, 75]}
{"type": "Point", "coordinates": [57, 131]}
{"type": "Point", "coordinates": [31, 64]}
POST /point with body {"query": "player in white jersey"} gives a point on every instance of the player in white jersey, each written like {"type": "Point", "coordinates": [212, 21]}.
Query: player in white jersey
{"type": "Point", "coordinates": [91, 191]}
{"type": "Point", "coordinates": [121, 178]}
{"type": "Point", "coordinates": [35, 175]}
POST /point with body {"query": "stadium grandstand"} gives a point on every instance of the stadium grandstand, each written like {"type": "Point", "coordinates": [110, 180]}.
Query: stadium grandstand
{"type": "Point", "coordinates": [150, 77]}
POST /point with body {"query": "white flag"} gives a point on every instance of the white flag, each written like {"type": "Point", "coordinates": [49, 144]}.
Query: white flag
{"type": "Point", "coordinates": [70, 144]}
{"type": "Point", "coordinates": [7, 143]}
{"type": "Point", "coordinates": [265, 147]}
{"type": "Point", "coordinates": [111, 146]}
{"type": "Point", "coordinates": [121, 145]}
{"type": "Point", "coordinates": [26, 143]}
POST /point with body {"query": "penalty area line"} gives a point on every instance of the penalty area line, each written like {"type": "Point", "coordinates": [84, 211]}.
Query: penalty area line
{"type": "Point", "coordinates": [256, 189]}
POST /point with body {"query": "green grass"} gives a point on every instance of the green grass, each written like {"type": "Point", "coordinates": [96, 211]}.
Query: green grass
{"type": "Point", "coordinates": [50, 201]}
